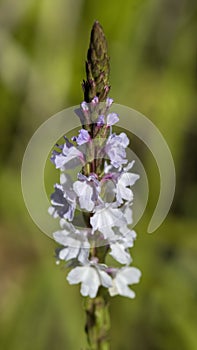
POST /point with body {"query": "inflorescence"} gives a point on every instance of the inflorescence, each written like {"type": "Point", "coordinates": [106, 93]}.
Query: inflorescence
{"type": "Point", "coordinates": [95, 210]}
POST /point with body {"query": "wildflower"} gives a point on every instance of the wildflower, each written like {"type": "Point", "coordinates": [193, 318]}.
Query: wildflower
{"type": "Point", "coordinates": [106, 200]}
{"type": "Point", "coordinates": [90, 277]}
{"type": "Point", "coordinates": [62, 205]}
{"type": "Point", "coordinates": [101, 192]}
{"type": "Point", "coordinates": [122, 191]}
{"type": "Point", "coordinates": [112, 118]}
{"type": "Point", "coordinates": [119, 253]}
{"type": "Point", "coordinates": [84, 192]}
{"type": "Point", "coordinates": [84, 106]}
{"type": "Point", "coordinates": [101, 120]}
{"type": "Point", "coordinates": [69, 158]}
{"type": "Point", "coordinates": [74, 241]}
{"type": "Point", "coordinates": [105, 217]}
{"type": "Point", "coordinates": [124, 277]}
{"type": "Point", "coordinates": [109, 102]}
{"type": "Point", "coordinates": [115, 149]}
{"type": "Point", "coordinates": [83, 137]}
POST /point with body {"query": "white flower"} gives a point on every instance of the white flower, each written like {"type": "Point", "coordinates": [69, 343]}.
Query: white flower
{"type": "Point", "coordinates": [90, 278]}
{"type": "Point", "coordinates": [119, 253]}
{"type": "Point", "coordinates": [85, 193]}
{"type": "Point", "coordinates": [128, 213]}
{"type": "Point", "coordinates": [75, 242]}
{"type": "Point", "coordinates": [124, 277]}
{"type": "Point", "coordinates": [105, 218]}
{"type": "Point", "coordinates": [119, 247]}
{"type": "Point", "coordinates": [127, 236]}
{"type": "Point", "coordinates": [122, 190]}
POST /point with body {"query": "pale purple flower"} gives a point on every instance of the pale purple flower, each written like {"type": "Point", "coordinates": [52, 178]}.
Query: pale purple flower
{"type": "Point", "coordinates": [123, 139]}
{"type": "Point", "coordinates": [112, 118]}
{"type": "Point", "coordinates": [95, 101]}
{"type": "Point", "coordinates": [109, 102]}
{"type": "Point", "coordinates": [83, 137]}
{"type": "Point", "coordinates": [62, 206]}
{"type": "Point", "coordinates": [69, 158]}
{"type": "Point", "coordinates": [101, 120]}
{"type": "Point", "coordinates": [105, 194]}
{"type": "Point", "coordinates": [84, 106]}
{"type": "Point", "coordinates": [115, 149]}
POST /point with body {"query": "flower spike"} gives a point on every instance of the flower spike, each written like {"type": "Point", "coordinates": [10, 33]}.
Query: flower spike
{"type": "Point", "coordinates": [97, 66]}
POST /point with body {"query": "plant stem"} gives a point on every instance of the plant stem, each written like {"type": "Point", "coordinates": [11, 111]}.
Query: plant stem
{"type": "Point", "coordinates": [98, 322]}
{"type": "Point", "coordinates": [97, 84]}
{"type": "Point", "coordinates": [97, 313]}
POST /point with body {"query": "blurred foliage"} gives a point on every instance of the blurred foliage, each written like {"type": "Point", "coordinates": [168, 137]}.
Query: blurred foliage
{"type": "Point", "coordinates": [153, 49]}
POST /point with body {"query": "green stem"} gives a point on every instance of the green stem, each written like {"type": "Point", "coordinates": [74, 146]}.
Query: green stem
{"type": "Point", "coordinates": [98, 322]}
{"type": "Point", "coordinates": [97, 84]}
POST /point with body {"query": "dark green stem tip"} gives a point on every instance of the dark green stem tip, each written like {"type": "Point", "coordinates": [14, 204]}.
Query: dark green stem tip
{"type": "Point", "coordinates": [97, 66]}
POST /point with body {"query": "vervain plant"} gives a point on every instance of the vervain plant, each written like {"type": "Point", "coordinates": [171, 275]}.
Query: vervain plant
{"type": "Point", "coordinates": [100, 197]}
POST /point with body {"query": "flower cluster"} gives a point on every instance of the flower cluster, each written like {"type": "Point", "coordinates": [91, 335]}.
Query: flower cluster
{"type": "Point", "coordinates": [95, 209]}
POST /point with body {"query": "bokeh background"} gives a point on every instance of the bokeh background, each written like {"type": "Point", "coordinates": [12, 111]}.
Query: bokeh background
{"type": "Point", "coordinates": [153, 49]}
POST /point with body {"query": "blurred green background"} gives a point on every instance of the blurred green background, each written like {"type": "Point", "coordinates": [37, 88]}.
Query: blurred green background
{"type": "Point", "coordinates": [153, 49]}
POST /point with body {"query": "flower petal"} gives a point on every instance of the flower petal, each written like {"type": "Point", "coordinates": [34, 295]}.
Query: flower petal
{"type": "Point", "coordinates": [63, 207]}
{"type": "Point", "coordinates": [125, 276]}
{"type": "Point", "coordinates": [88, 277]}
{"type": "Point", "coordinates": [68, 253]}
{"type": "Point", "coordinates": [83, 137]}
{"type": "Point", "coordinates": [119, 254]}
{"type": "Point", "coordinates": [106, 280]}
{"type": "Point", "coordinates": [115, 149]}
{"type": "Point", "coordinates": [68, 159]}
{"type": "Point", "coordinates": [124, 139]}
{"type": "Point", "coordinates": [104, 219]}
{"type": "Point", "coordinates": [76, 275]}
{"type": "Point", "coordinates": [122, 191]}
{"type": "Point", "coordinates": [84, 254]}
{"type": "Point", "coordinates": [129, 179]}
{"type": "Point", "coordinates": [109, 102]}
{"type": "Point", "coordinates": [112, 119]}
{"type": "Point", "coordinates": [131, 274]}
{"type": "Point", "coordinates": [84, 192]}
